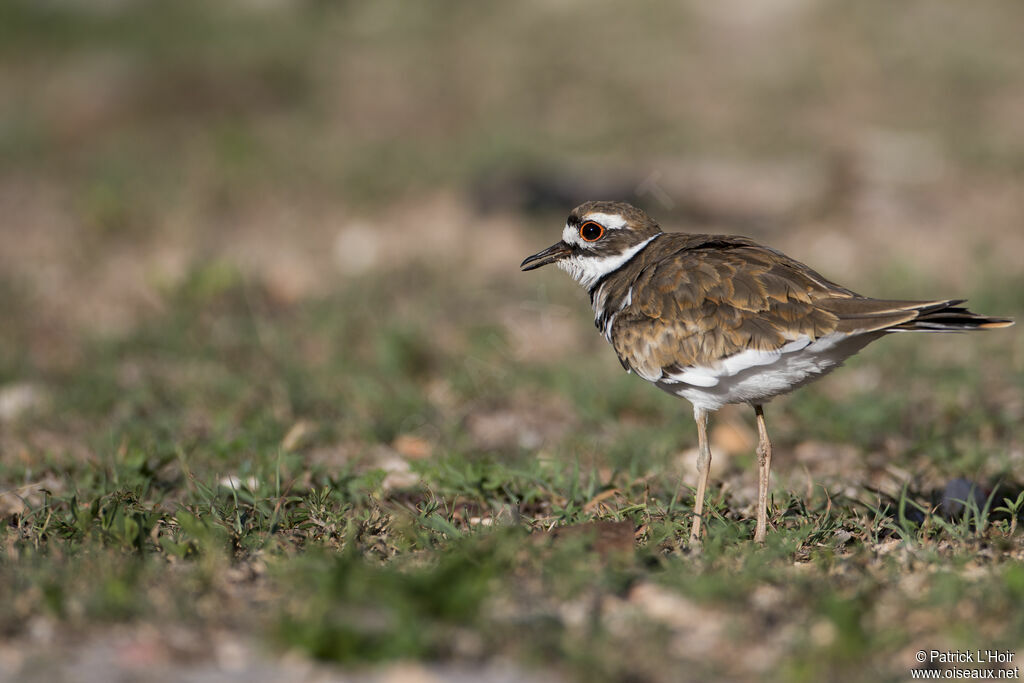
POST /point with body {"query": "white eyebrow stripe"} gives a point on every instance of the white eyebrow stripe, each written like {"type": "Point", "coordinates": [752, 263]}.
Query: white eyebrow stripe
{"type": "Point", "coordinates": [611, 221]}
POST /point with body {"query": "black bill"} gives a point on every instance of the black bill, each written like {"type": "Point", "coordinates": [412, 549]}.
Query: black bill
{"type": "Point", "coordinates": [555, 252]}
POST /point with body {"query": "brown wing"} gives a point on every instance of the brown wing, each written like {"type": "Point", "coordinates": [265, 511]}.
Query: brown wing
{"type": "Point", "coordinates": [699, 299]}
{"type": "Point", "coordinates": [709, 300]}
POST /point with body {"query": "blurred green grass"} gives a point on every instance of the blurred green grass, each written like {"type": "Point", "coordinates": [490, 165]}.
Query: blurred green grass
{"type": "Point", "coordinates": [170, 471]}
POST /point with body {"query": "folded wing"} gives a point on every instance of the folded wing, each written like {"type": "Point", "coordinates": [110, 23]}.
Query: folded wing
{"type": "Point", "coordinates": [710, 298]}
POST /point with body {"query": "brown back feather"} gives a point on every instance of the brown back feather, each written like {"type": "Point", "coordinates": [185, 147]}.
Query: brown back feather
{"type": "Point", "coordinates": [700, 298]}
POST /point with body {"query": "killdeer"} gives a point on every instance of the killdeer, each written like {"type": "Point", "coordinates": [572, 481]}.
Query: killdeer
{"type": "Point", "coordinates": [720, 319]}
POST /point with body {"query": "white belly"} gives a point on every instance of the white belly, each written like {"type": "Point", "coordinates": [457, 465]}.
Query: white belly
{"type": "Point", "coordinates": [758, 376]}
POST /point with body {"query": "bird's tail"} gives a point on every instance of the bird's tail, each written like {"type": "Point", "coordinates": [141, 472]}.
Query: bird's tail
{"type": "Point", "coordinates": [863, 314]}
{"type": "Point", "coordinates": [950, 316]}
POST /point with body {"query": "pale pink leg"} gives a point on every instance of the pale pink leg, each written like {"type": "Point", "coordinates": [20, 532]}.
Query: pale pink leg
{"type": "Point", "coordinates": [703, 470]}
{"type": "Point", "coordinates": [764, 466]}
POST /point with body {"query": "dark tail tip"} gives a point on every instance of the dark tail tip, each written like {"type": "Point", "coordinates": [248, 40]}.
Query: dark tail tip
{"type": "Point", "coordinates": [955, 318]}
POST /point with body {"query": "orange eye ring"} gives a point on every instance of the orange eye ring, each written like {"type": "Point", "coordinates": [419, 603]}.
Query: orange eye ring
{"type": "Point", "coordinates": [591, 231]}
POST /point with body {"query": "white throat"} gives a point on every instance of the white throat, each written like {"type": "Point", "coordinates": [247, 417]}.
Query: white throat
{"type": "Point", "coordinates": [587, 269]}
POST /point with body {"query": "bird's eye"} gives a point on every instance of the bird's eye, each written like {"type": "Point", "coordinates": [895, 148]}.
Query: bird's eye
{"type": "Point", "coordinates": [591, 231]}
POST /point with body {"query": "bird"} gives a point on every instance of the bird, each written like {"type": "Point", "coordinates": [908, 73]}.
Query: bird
{"type": "Point", "coordinates": [722, 319]}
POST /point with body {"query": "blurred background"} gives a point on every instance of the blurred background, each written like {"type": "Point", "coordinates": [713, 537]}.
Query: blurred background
{"type": "Point", "coordinates": [252, 242]}
{"type": "Point", "coordinates": [309, 142]}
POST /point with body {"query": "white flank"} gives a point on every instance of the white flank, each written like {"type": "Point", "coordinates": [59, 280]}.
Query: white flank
{"type": "Point", "coordinates": [695, 376]}
{"type": "Point", "coordinates": [587, 269]}
{"type": "Point", "coordinates": [757, 376]}
{"type": "Point", "coordinates": [752, 358]}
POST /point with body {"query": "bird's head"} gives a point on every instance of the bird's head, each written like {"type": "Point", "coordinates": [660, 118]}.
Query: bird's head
{"type": "Point", "coordinates": [598, 238]}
